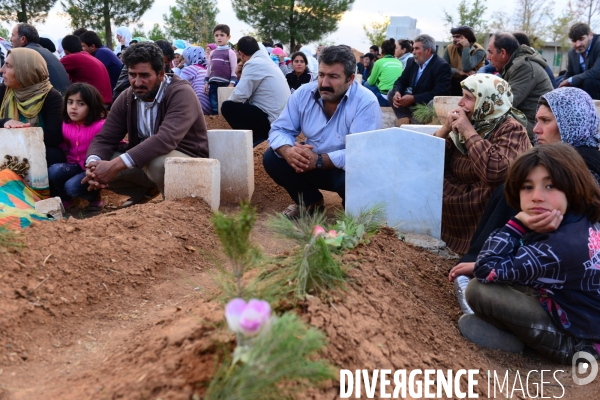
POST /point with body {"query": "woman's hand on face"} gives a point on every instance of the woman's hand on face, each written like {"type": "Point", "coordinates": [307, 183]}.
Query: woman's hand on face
{"type": "Point", "coordinates": [541, 223]}
{"type": "Point", "coordinates": [461, 124]}
{"type": "Point", "coordinates": [11, 123]}
{"type": "Point", "coordinates": [461, 269]}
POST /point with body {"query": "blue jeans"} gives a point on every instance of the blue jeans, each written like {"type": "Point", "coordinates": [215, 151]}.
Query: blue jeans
{"type": "Point", "coordinates": [213, 95]}
{"type": "Point", "coordinates": [306, 184]}
{"type": "Point", "coordinates": [383, 102]}
{"type": "Point", "coordinates": [65, 180]}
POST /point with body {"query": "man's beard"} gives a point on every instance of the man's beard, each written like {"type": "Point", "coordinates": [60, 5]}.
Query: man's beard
{"type": "Point", "coordinates": [151, 94]}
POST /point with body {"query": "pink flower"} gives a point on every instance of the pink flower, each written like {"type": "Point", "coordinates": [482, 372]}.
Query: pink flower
{"type": "Point", "coordinates": [247, 318]}
{"type": "Point", "coordinates": [332, 233]}
{"type": "Point", "coordinates": [318, 230]}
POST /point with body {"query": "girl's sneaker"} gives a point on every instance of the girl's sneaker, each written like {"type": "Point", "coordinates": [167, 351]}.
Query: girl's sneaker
{"type": "Point", "coordinates": [96, 205]}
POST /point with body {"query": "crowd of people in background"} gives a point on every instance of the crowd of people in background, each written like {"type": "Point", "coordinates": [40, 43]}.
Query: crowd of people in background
{"type": "Point", "coordinates": [522, 163]}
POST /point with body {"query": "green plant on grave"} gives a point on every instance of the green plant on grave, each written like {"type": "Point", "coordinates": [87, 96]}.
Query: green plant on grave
{"type": "Point", "coordinates": [280, 362]}
{"type": "Point", "coordinates": [234, 233]}
{"type": "Point", "coordinates": [425, 114]}
{"type": "Point", "coordinates": [316, 266]}
{"type": "Point", "coordinates": [9, 240]}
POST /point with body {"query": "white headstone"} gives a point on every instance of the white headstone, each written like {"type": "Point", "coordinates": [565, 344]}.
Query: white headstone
{"type": "Point", "coordinates": [233, 149]}
{"type": "Point", "coordinates": [444, 104]}
{"type": "Point", "coordinates": [27, 143]}
{"type": "Point", "coordinates": [426, 129]}
{"type": "Point", "coordinates": [400, 169]}
{"type": "Point", "coordinates": [193, 177]}
{"type": "Point", "coordinates": [223, 93]}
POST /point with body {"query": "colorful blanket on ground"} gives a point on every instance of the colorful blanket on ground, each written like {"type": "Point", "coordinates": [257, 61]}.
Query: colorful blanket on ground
{"type": "Point", "coordinates": [17, 202]}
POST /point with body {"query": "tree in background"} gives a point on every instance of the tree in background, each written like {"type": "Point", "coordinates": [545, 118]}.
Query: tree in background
{"type": "Point", "coordinates": [4, 33]}
{"type": "Point", "coordinates": [29, 11]}
{"type": "Point", "coordinates": [470, 15]}
{"type": "Point", "coordinates": [588, 10]}
{"type": "Point", "coordinates": [99, 14]}
{"type": "Point", "coordinates": [533, 17]}
{"type": "Point", "coordinates": [138, 31]}
{"type": "Point", "coordinates": [192, 20]}
{"type": "Point", "coordinates": [376, 31]}
{"type": "Point", "coordinates": [292, 21]}
{"type": "Point", "coordinates": [156, 33]}
{"type": "Point", "coordinates": [559, 30]}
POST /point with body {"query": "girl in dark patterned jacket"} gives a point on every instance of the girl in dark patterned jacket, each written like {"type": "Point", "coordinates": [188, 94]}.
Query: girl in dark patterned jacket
{"type": "Point", "coordinates": [538, 277]}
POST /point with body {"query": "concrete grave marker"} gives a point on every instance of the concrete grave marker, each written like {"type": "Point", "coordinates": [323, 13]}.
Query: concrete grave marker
{"type": "Point", "coordinates": [233, 149]}
{"type": "Point", "coordinates": [52, 206]}
{"type": "Point", "coordinates": [223, 94]}
{"type": "Point", "coordinates": [193, 177]}
{"type": "Point", "coordinates": [401, 169]}
{"type": "Point", "coordinates": [444, 104]}
{"type": "Point", "coordinates": [426, 129]}
{"type": "Point", "coordinates": [388, 118]}
{"type": "Point", "coordinates": [27, 143]}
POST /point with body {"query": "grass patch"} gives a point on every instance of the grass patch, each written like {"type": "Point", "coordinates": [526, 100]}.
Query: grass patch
{"type": "Point", "coordinates": [425, 114]}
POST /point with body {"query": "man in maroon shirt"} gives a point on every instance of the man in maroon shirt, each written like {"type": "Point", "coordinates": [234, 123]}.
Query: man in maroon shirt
{"type": "Point", "coordinates": [82, 67]}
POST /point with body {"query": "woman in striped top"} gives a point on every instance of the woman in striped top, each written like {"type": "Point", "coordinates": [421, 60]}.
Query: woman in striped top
{"type": "Point", "coordinates": [195, 72]}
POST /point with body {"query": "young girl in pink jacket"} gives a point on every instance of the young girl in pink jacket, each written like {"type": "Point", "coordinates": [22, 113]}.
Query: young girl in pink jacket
{"type": "Point", "coordinates": [83, 116]}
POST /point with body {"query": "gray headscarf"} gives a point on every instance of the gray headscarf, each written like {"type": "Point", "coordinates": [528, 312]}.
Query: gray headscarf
{"type": "Point", "coordinates": [195, 55]}
{"type": "Point", "coordinates": [575, 115]}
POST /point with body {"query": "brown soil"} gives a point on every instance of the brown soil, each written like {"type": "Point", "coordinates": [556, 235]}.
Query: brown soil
{"type": "Point", "coordinates": [123, 305]}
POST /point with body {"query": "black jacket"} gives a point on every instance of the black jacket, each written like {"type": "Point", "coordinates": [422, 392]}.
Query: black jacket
{"type": "Point", "coordinates": [58, 75]}
{"type": "Point", "coordinates": [592, 72]}
{"type": "Point", "coordinates": [435, 80]}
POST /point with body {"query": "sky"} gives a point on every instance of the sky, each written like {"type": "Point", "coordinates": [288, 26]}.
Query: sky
{"type": "Point", "coordinates": [429, 15]}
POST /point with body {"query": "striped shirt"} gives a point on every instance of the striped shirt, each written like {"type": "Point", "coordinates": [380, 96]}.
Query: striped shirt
{"type": "Point", "coordinates": [195, 74]}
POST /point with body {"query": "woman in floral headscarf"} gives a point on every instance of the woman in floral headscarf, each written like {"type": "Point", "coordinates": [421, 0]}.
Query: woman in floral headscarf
{"type": "Point", "coordinates": [483, 136]}
{"type": "Point", "coordinates": [194, 72]}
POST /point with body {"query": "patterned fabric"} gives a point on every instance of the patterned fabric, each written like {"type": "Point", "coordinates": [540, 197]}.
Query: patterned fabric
{"type": "Point", "coordinates": [563, 266]}
{"type": "Point", "coordinates": [195, 55]}
{"type": "Point", "coordinates": [17, 202]}
{"type": "Point", "coordinates": [470, 179]}
{"type": "Point", "coordinates": [31, 72]}
{"type": "Point", "coordinates": [493, 103]}
{"type": "Point", "coordinates": [575, 115]}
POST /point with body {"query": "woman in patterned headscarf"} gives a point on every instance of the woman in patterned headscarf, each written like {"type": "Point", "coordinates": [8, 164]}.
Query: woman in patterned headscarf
{"type": "Point", "coordinates": [483, 136]}
{"type": "Point", "coordinates": [194, 72]}
{"type": "Point", "coordinates": [28, 99]}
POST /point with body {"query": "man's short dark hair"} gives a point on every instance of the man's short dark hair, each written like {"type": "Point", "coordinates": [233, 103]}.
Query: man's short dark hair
{"type": "Point", "coordinates": [374, 47]}
{"type": "Point", "coordinates": [466, 31]}
{"type": "Point", "coordinates": [578, 30]}
{"type": "Point", "coordinates": [79, 32]}
{"type": "Point", "coordinates": [248, 45]}
{"type": "Point", "coordinates": [223, 28]}
{"type": "Point", "coordinates": [72, 44]}
{"type": "Point", "coordinates": [339, 54]}
{"type": "Point", "coordinates": [29, 31]}
{"type": "Point", "coordinates": [371, 56]}
{"type": "Point", "coordinates": [522, 38]}
{"type": "Point", "coordinates": [506, 41]}
{"type": "Point", "coordinates": [144, 52]}
{"type": "Point", "coordinates": [47, 44]}
{"type": "Point", "coordinates": [167, 48]}
{"type": "Point", "coordinates": [91, 38]}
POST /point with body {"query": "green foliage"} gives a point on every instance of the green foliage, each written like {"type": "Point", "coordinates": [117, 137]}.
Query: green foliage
{"type": "Point", "coordinates": [292, 21]}
{"type": "Point", "coordinates": [100, 14]}
{"type": "Point", "coordinates": [316, 267]}
{"type": "Point", "coordinates": [30, 11]}
{"type": "Point", "coordinates": [470, 15]}
{"type": "Point", "coordinates": [9, 240]}
{"type": "Point", "coordinates": [192, 20]}
{"type": "Point", "coordinates": [281, 363]}
{"type": "Point", "coordinates": [4, 33]}
{"type": "Point", "coordinates": [156, 33]}
{"type": "Point", "coordinates": [533, 18]}
{"type": "Point", "coordinates": [234, 233]}
{"type": "Point", "coordinates": [559, 28]}
{"type": "Point", "coordinates": [376, 31]}
{"type": "Point", "coordinates": [425, 114]}
{"type": "Point", "coordinates": [138, 31]}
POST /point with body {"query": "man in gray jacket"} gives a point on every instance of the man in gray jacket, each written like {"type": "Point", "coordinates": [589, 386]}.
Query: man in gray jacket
{"type": "Point", "coordinates": [524, 70]}
{"type": "Point", "coordinates": [260, 95]}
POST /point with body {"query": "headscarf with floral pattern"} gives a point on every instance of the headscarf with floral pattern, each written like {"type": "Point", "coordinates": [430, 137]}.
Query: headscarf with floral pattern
{"type": "Point", "coordinates": [493, 104]}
